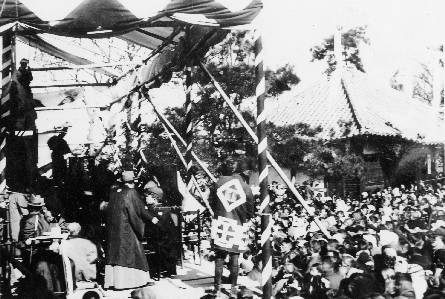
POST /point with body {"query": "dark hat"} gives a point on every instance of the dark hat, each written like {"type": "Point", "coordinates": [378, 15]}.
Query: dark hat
{"type": "Point", "coordinates": [364, 258]}
{"type": "Point", "coordinates": [36, 201]}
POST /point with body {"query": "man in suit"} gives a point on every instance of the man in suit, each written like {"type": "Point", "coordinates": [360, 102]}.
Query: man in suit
{"type": "Point", "coordinates": [166, 233]}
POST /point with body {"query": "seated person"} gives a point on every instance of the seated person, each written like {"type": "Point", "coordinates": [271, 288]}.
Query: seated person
{"type": "Point", "coordinates": [35, 223]}
{"type": "Point", "coordinates": [39, 257]}
{"type": "Point", "coordinates": [82, 252]}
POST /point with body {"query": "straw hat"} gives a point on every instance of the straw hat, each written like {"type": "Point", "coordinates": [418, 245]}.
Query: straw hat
{"type": "Point", "coordinates": [152, 189]}
{"type": "Point", "coordinates": [388, 238]}
{"type": "Point", "coordinates": [128, 176]}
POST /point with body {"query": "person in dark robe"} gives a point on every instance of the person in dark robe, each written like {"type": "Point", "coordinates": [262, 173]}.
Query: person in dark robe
{"type": "Point", "coordinates": [233, 205]}
{"type": "Point", "coordinates": [25, 77]}
{"type": "Point", "coordinates": [59, 148]}
{"type": "Point", "coordinates": [126, 264]}
{"type": "Point", "coordinates": [21, 145]}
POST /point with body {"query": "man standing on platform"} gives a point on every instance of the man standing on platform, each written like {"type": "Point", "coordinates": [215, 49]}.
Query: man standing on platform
{"type": "Point", "coordinates": [233, 205]}
{"type": "Point", "coordinates": [126, 263]}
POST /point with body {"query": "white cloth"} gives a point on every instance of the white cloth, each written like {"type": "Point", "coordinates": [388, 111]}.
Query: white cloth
{"type": "Point", "coordinates": [339, 237]}
{"type": "Point", "coordinates": [121, 278]}
{"type": "Point", "coordinates": [418, 277]}
{"type": "Point", "coordinates": [388, 238]}
{"type": "Point", "coordinates": [297, 231]}
{"type": "Point", "coordinates": [83, 253]}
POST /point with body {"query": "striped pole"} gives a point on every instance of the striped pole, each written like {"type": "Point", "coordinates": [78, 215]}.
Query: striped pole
{"type": "Point", "coordinates": [264, 208]}
{"type": "Point", "coordinates": [7, 66]}
{"type": "Point", "coordinates": [188, 123]}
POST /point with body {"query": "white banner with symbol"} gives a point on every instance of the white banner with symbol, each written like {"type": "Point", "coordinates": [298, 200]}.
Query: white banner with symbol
{"type": "Point", "coordinates": [228, 234]}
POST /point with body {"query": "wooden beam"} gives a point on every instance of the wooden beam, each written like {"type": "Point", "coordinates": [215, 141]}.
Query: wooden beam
{"type": "Point", "coordinates": [82, 66]}
{"type": "Point", "coordinates": [161, 24]}
{"type": "Point", "coordinates": [71, 85]}
{"type": "Point", "coordinates": [57, 108]}
{"type": "Point", "coordinates": [154, 35]}
{"type": "Point", "coordinates": [164, 44]}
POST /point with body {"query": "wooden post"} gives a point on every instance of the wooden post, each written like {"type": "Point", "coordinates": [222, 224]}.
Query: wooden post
{"type": "Point", "coordinates": [264, 208]}
{"type": "Point", "coordinates": [5, 112]}
{"type": "Point", "coordinates": [442, 109]}
{"type": "Point", "coordinates": [8, 52]}
{"type": "Point", "coordinates": [188, 123]}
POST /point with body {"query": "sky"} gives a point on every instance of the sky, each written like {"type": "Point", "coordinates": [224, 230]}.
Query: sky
{"type": "Point", "coordinates": [402, 33]}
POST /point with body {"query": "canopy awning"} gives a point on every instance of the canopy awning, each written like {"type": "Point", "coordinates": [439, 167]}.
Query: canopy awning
{"type": "Point", "coordinates": [105, 18]}
{"type": "Point", "coordinates": [158, 25]}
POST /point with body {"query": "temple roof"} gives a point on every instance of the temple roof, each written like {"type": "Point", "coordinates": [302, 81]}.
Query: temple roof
{"type": "Point", "coordinates": [350, 103]}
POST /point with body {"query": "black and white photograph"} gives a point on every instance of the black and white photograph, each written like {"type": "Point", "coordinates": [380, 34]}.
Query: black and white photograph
{"type": "Point", "coordinates": [222, 149]}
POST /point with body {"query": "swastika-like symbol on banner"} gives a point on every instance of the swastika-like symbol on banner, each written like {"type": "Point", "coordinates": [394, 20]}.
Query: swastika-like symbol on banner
{"type": "Point", "coordinates": [231, 194]}
{"type": "Point", "coordinates": [228, 233]}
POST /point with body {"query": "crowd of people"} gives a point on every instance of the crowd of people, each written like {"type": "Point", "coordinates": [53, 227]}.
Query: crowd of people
{"type": "Point", "coordinates": [389, 243]}
{"type": "Point", "coordinates": [383, 244]}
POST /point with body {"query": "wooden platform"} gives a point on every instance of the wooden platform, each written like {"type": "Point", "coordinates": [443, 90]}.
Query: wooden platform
{"type": "Point", "coordinates": [192, 282]}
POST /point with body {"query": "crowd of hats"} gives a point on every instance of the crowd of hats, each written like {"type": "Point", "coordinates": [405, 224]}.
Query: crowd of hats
{"type": "Point", "coordinates": [387, 231]}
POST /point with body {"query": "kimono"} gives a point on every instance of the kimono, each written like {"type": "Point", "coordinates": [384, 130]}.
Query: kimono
{"type": "Point", "coordinates": [126, 263]}
{"type": "Point", "coordinates": [233, 205]}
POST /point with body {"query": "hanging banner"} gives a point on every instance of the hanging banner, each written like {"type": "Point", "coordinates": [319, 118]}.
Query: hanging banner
{"type": "Point", "coordinates": [228, 235]}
